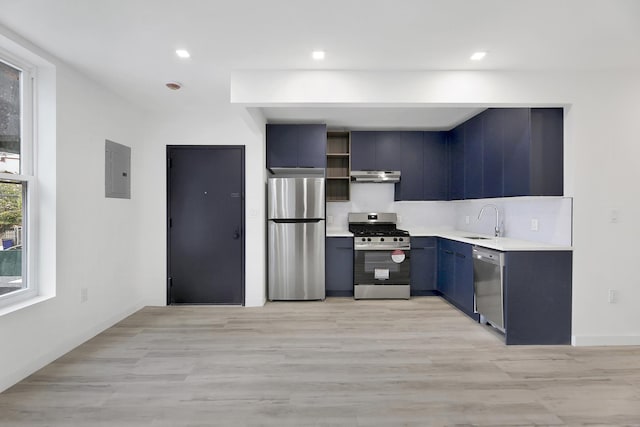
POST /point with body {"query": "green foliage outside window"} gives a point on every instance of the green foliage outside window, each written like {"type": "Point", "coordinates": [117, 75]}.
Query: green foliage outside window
{"type": "Point", "coordinates": [10, 206]}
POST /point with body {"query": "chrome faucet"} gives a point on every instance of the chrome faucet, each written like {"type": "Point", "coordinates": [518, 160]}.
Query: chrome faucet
{"type": "Point", "coordinates": [497, 229]}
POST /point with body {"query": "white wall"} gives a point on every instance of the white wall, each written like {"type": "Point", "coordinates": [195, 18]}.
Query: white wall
{"type": "Point", "coordinates": [601, 155]}
{"type": "Point", "coordinates": [554, 214]}
{"type": "Point", "coordinates": [223, 124]}
{"type": "Point", "coordinates": [515, 214]}
{"type": "Point", "coordinates": [90, 239]}
{"type": "Point", "coordinates": [370, 197]}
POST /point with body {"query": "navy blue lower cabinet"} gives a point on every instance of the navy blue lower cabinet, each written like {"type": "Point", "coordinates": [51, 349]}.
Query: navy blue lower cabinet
{"type": "Point", "coordinates": [455, 275]}
{"type": "Point", "coordinates": [339, 266]}
{"type": "Point", "coordinates": [423, 266]}
{"type": "Point", "coordinates": [463, 265]}
{"type": "Point", "coordinates": [446, 266]}
{"type": "Point", "coordinates": [537, 297]}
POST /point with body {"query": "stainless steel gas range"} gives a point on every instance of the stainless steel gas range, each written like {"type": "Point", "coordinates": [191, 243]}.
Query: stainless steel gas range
{"type": "Point", "coordinates": [381, 257]}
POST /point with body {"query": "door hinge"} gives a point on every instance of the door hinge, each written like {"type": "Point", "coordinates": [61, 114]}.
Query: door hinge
{"type": "Point", "coordinates": [170, 222]}
{"type": "Point", "coordinates": [170, 282]}
{"type": "Point", "coordinates": [170, 162]}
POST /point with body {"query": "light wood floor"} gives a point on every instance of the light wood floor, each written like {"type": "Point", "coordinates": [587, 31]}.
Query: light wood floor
{"type": "Point", "coordinates": [337, 363]}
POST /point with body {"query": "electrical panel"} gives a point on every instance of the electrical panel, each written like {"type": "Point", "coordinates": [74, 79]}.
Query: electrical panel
{"type": "Point", "coordinates": [117, 170]}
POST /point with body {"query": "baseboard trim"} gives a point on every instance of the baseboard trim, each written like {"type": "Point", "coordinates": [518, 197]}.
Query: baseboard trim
{"type": "Point", "coordinates": [604, 340]}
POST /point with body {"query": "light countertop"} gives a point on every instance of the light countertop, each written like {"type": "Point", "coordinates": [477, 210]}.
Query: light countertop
{"type": "Point", "coordinates": [338, 232]}
{"type": "Point", "coordinates": [498, 243]}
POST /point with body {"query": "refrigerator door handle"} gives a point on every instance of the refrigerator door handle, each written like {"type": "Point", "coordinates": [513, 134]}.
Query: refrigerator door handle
{"type": "Point", "coordinates": [294, 221]}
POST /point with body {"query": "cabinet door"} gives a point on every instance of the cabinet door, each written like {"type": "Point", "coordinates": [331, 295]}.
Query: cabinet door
{"type": "Point", "coordinates": [423, 265]}
{"type": "Point", "coordinates": [446, 265]}
{"type": "Point", "coordinates": [339, 266]}
{"type": "Point", "coordinates": [473, 158]}
{"type": "Point", "coordinates": [546, 155]}
{"type": "Point", "coordinates": [435, 166]}
{"type": "Point", "coordinates": [312, 146]}
{"type": "Point", "coordinates": [492, 138]}
{"type": "Point", "coordinates": [388, 150]}
{"type": "Point", "coordinates": [411, 182]}
{"type": "Point", "coordinates": [456, 163]}
{"type": "Point", "coordinates": [282, 146]}
{"type": "Point", "coordinates": [516, 143]}
{"type": "Point", "coordinates": [464, 277]}
{"type": "Point", "coordinates": [363, 150]}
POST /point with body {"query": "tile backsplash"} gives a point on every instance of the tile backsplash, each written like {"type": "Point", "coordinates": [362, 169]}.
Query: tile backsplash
{"type": "Point", "coordinates": [553, 214]}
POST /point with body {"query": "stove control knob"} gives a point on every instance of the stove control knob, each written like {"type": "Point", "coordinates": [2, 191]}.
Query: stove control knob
{"type": "Point", "coordinates": [395, 239]}
{"type": "Point", "coordinates": [364, 240]}
{"type": "Point", "coordinates": [401, 239]}
{"type": "Point", "coordinates": [382, 239]}
{"type": "Point", "coordinates": [368, 239]}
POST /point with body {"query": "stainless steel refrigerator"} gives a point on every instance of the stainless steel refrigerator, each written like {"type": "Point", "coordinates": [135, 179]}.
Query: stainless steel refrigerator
{"type": "Point", "coordinates": [296, 235]}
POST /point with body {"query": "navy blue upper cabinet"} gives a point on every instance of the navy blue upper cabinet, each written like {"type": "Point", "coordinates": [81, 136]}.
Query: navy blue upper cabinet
{"type": "Point", "coordinates": [376, 150]}
{"type": "Point", "coordinates": [492, 142]}
{"type": "Point", "coordinates": [533, 152]}
{"type": "Point", "coordinates": [290, 146]}
{"type": "Point", "coordinates": [363, 150]}
{"type": "Point", "coordinates": [473, 158]}
{"type": "Point", "coordinates": [517, 167]}
{"type": "Point", "coordinates": [456, 163]}
{"type": "Point", "coordinates": [410, 152]}
{"type": "Point", "coordinates": [546, 156]}
{"type": "Point", "coordinates": [387, 150]}
{"type": "Point", "coordinates": [435, 166]}
{"type": "Point", "coordinates": [507, 152]}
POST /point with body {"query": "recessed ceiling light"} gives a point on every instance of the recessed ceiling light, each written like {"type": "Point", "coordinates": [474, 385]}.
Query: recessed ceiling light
{"type": "Point", "coordinates": [182, 53]}
{"type": "Point", "coordinates": [477, 56]}
{"type": "Point", "coordinates": [318, 55]}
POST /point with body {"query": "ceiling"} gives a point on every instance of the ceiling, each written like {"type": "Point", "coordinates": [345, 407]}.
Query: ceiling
{"type": "Point", "coordinates": [128, 45]}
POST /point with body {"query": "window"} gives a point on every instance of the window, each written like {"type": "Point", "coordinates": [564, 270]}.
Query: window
{"type": "Point", "coordinates": [16, 179]}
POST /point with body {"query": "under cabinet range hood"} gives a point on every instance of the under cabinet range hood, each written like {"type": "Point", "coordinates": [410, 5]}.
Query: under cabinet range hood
{"type": "Point", "coordinates": [375, 176]}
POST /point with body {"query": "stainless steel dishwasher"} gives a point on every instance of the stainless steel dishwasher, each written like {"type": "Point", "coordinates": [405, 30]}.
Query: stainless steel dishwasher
{"type": "Point", "coordinates": [488, 268]}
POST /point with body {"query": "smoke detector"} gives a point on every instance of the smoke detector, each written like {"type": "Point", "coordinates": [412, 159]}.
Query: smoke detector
{"type": "Point", "coordinates": [174, 85]}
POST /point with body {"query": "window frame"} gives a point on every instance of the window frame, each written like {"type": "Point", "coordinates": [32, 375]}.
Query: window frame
{"type": "Point", "coordinates": [26, 177]}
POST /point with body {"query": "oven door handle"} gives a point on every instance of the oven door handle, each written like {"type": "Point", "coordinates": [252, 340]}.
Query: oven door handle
{"type": "Point", "coordinates": [382, 249]}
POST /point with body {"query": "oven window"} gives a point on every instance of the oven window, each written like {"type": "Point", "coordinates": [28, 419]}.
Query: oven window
{"type": "Point", "coordinates": [377, 267]}
{"type": "Point", "coordinates": [380, 259]}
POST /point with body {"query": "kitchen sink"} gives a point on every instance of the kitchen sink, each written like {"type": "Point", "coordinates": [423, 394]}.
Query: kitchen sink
{"type": "Point", "coordinates": [476, 238]}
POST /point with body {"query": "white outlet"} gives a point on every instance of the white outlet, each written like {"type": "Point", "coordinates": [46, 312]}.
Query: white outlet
{"type": "Point", "coordinates": [613, 296]}
{"type": "Point", "coordinates": [535, 226]}
{"type": "Point", "coordinates": [329, 219]}
{"type": "Point", "coordinates": [399, 219]}
{"type": "Point", "coordinates": [615, 216]}
{"type": "Point", "coordinates": [467, 219]}
{"type": "Point", "coordinates": [253, 213]}
{"type": "Point", "coordinates": [84, 294]}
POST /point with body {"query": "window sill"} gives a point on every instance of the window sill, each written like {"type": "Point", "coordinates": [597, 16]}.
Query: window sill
{"type": "Point", "coordinates": [19, 305]}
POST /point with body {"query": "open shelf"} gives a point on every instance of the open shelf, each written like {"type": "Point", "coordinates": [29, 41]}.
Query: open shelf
{"type": "Point", "coordinates": [338, 166]}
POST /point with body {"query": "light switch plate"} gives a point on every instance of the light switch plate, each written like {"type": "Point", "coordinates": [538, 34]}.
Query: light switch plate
{"type": "Point", "coordinates": [534, 224]}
